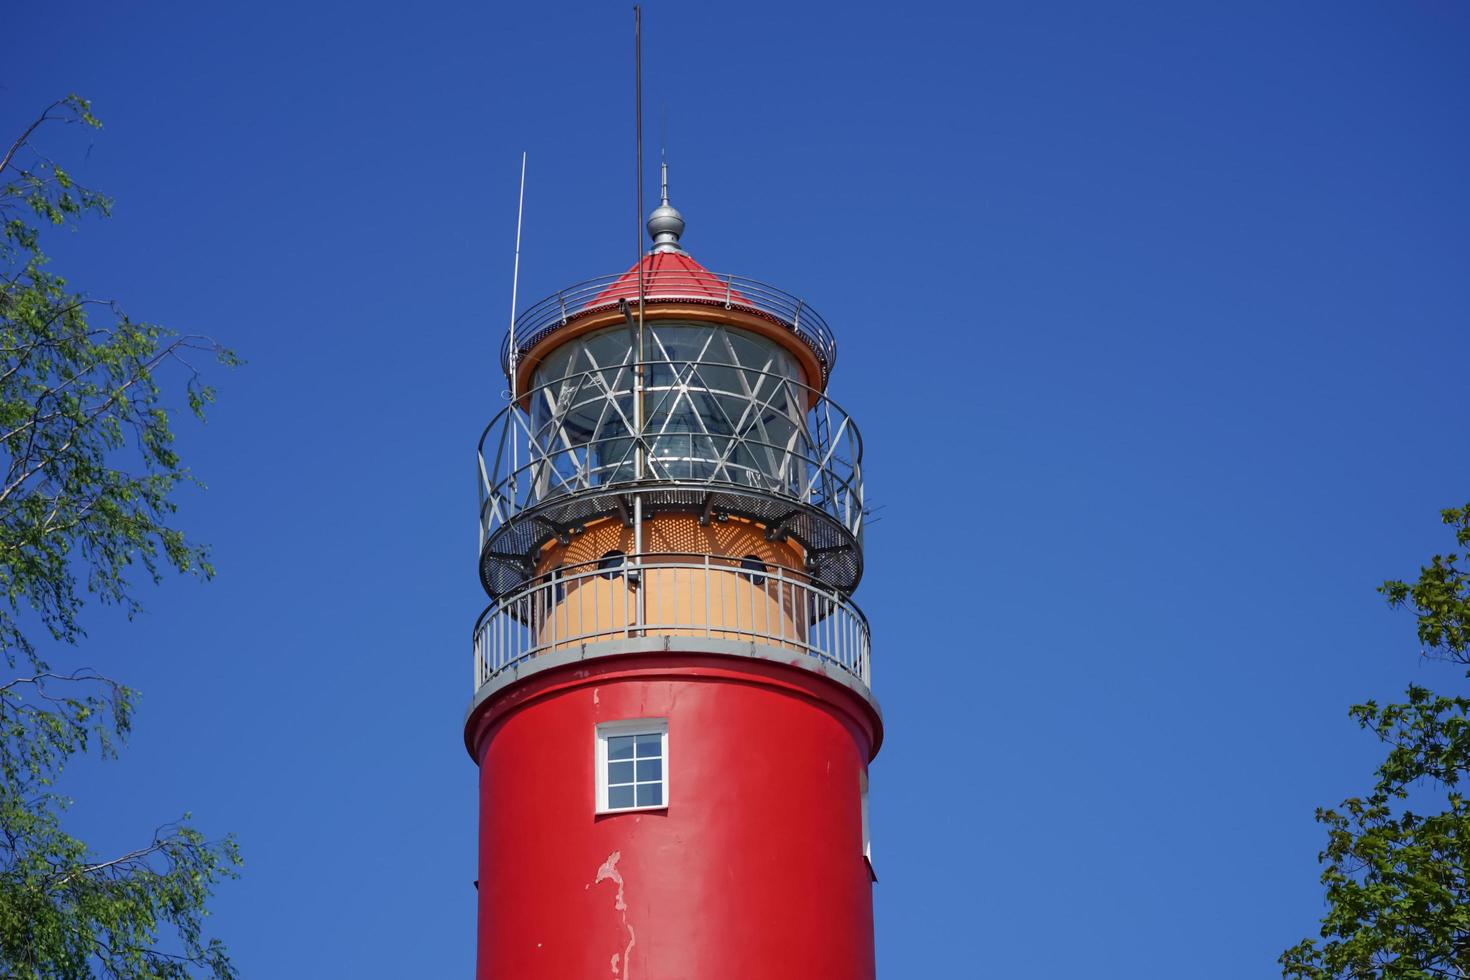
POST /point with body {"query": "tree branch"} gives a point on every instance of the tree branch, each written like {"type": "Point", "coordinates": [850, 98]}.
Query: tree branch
{"type": "Point", "coordinates": [21, 140]}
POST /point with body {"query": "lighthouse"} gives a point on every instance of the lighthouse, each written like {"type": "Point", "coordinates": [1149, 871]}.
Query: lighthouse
{"type": "Point", "coordinates": [673, 713]}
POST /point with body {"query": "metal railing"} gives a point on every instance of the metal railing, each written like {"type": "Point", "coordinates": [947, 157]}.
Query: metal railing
{"type": "Point", "coordinates": [671, 595]}
{"type": "Point", "coordinates": [727, 291]}
{"type": "Point", "coordinates": [787, 440]}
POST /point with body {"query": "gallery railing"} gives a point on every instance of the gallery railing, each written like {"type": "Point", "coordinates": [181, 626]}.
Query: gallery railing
{"type": "Point", "coordinates": [730, 292]}
{"type": "Point", "coordinates": [671, 595]}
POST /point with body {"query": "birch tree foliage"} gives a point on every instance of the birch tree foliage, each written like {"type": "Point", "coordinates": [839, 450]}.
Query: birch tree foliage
{"type": "Point", "coordinates": [1396, 866]}
{"type": "Point", "coordinates": [88, 476]}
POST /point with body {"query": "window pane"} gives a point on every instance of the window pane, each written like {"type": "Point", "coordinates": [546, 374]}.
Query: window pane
{"type": "Point", "coordinates": [649, 770]}
{"type": "Point", "coordinates": [649, 746]}
{"type": "Point", "coordinates": [620, 747]}
{"type": "Point", "coordinates": [619, 772]}
{"type": "Point", "coordinates": [619, 797]}
{"type": "Point", "coordinates": [650, 794]}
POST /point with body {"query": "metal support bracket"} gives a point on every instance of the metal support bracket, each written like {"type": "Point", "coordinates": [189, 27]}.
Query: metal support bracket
{"type": "Point", "coordinates": [562, 532]}
{"type": "Point", "coordinates": [505, 556]}
{"type": "Point", "coordinates": [776, 530]}
{"type": "Point", "coordinates": [627, 310]}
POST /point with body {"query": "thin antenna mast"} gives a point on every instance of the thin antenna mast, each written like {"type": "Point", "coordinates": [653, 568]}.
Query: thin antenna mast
{"type": "Point", "coordinates": [638, 217]}
{"type": "Point", "coordinates": [515, 281]}
{"type": "Point", "coordinates": [640, 449]}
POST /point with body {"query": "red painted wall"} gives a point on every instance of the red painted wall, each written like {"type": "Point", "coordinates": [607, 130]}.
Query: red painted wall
{"type": "Point", "coordinates": [755, 869]}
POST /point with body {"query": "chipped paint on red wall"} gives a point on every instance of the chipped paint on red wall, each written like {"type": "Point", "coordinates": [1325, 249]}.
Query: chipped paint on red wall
{"type": "Point", "coordinates": [755, 866]}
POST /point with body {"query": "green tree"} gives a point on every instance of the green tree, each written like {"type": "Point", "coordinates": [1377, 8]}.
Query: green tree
{"type": "Point", "coordinates": [1397, 861]}
{"type": "Point", "coordinates": [88, 474]}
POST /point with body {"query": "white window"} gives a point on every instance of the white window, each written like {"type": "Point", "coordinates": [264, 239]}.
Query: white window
{"type": "Point", "coordinates": [633, 765]}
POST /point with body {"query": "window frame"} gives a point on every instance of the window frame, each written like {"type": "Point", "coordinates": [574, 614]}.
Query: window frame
{"type": "Point", "coordinates": [629, 726]}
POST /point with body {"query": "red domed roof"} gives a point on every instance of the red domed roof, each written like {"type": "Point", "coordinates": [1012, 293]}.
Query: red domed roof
{"type": "Point", "coordinates": [669, 275]}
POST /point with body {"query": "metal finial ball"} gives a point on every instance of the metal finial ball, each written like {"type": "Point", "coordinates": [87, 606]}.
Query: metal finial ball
{"type": "Point", "coordinates": [665, 225]}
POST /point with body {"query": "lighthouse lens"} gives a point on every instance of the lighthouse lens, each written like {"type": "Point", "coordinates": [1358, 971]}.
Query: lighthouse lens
{"type": "Point", "coordinates": [720, 405]}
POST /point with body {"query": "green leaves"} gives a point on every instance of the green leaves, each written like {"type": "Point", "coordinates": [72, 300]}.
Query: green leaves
{"type": "Point", "coordinates": [87, 464]}
{"type": "Point", "coordinates": [88, 473]}
{"type": "Point", "coordinates": [63, 914]}
{"type": "Point", "coordinates": [1441, 597]}
{"type": "Point", "coordinates": [1397, 879]}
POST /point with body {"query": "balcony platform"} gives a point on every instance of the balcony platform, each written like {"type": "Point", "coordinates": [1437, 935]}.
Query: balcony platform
{"type": "Point", "coordinates": [689, 604]}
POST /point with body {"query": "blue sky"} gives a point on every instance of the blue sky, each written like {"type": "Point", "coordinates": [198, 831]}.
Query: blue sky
{"type": "Point", "coordinates": [1153, 316]}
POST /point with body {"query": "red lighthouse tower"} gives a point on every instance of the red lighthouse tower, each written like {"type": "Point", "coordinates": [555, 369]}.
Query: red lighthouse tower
{"type": "Point", "coordinates": [673, 715]}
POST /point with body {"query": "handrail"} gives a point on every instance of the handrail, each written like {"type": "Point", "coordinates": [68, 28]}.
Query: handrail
{"type": "Point", "coordinates": [819, 463]}
{"type": "Point", "coordinates": [724, 290]}
{"type": "Point", "coordinates": [683, 595]}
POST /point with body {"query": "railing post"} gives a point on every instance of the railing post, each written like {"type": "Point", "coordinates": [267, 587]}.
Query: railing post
{"type": "Point", "coordinates": [631, 605]}
{"type": "Point", "coordinates": [524, 624]}
{"type": "Point", "coordinates": [867, 659]}
{"type": "Point", "coordinates": [781, 602]}
{"type": "Point", "coordinates": [750, 631]}
{"type": "Point", "coordinates": [840, 644]}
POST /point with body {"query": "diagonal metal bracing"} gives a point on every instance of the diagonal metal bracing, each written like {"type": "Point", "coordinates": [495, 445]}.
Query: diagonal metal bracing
{"type": "Point", "coordinates": [678, 387]}
{"type": "Point", "coordinates": [752, 418]}
{"type": "Point", "coordinates": [669, 392]}
{"type": "Point", "coordinates": [610, 391]}
{"type": "Point", "coordinates": [582, 436]}
{"type": "Point", "coordinates": [691, 398]}
{"type": "Point", "coordinates": [778, 468]}
{"type": "Point", "coordinates": [610, 394]}
{"type": "Point", "coordinates": [821, 469]}
{"type": "Point", "coordinates": [677, 397]}
{"type": "Point", "coordinates": [731, 435]}
{"type": "Point", "coordinates": [558, 407]}
{"type": "Point", "coordinates": [579, 455]}
{"type": "Point", "coordinates": [729, 439]}
{"type": "Point", "coordinates": [753, 408]}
